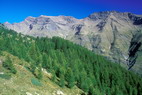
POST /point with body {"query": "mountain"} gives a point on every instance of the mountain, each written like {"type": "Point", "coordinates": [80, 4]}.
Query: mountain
{"type": "Point", "coordinates": [108, 33]}
{"type": "Point", "coordinates": [135, 52]}
{"type": "Point", "coordinates": [55, 66]}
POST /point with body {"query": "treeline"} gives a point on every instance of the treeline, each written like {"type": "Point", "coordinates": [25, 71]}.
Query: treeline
{"type": "Point", "coordinates": [71, 65]}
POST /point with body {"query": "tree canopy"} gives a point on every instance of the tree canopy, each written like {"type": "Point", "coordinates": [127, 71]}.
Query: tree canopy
{"type": "Point", "coordinates": [70, 64]}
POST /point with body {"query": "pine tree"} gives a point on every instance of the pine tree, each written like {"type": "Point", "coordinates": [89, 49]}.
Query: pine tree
{"type": "Point", "coordinates": [70, 78]}
{"type": "Point", "coordinates": [62, 81]}
{"type": "Point", "coordinates": [44, 63]}
{"type": "Point", "coordinates": [9, 65]}
{"type": "Point", "coordinates": [39, 73]}
{"type": "Point", "coordinates": [53, 78]}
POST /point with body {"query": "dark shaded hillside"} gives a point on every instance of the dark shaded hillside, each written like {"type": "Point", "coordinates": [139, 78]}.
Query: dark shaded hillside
{"type": "Point", "coordinates": [70, 64]}
{"type": "Point", "coordinates": [135, 53]}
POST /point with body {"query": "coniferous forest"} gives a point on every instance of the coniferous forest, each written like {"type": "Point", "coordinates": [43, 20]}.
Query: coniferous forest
{"type": "Point", "coordinates": [70, 64]}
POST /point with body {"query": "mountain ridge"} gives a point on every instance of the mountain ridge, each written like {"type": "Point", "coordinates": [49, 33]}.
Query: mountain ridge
{"type": "Point", "coordinates": [107, 33]}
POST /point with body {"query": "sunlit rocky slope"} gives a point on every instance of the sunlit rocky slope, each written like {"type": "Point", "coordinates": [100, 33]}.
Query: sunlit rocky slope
{"type": "Point", "coordinates": [108, 33]}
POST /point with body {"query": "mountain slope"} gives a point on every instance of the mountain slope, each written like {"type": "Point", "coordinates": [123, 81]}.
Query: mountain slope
{"type": "Point", "coordinates": [107, 33]}
{"type": "Point", "coordinates": [25, 83]}
{"type": "Point", "coordinates": [135, 53]}
{"type": "Point", "coordinates": [70, 65]}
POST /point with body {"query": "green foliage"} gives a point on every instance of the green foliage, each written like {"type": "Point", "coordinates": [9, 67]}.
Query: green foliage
{"type": "Point", "coordinates": [5, 76]}
{"type": "Point", "coordinates": [39, 74]}
{"type": "Point", "coordinates": [36, 82]}
{"type": "Point", "coordinates": [70, 64]}
{"type": "Point", "coordinates": [9, 66]}
{"type": "Point", "coordinates": [70, 78]}
{"type": "Point", "coordinates": [62, 81]}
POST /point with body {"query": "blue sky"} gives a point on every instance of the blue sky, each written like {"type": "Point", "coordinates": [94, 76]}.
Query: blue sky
{"type": "Point", "coordinates": [17, 10]}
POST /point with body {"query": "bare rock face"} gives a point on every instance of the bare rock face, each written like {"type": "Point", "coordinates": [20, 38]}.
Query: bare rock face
{"type": "Point", "coordinates": [107, 33]}
{"type": "Point", "coordinates": [135, 53]}
{"type": "Point", "coordinates": [45, 26]}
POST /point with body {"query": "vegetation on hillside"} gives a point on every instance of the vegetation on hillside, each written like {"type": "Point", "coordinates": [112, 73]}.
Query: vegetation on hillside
{"type": "Point", "coordinates": [8, 65]}
{"type": "Point", "coordinates": [70, 64]}
{"type": "Point", "coordinates": [25, 83]}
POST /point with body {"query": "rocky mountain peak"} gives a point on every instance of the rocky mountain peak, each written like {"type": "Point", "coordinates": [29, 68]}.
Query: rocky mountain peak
{"type": "Point", "coordinates": [108, 33]}
{"type": "Point", "coordinates": [102, 15]}
{"type": "Point", "coordinates": [30, 19]}
{"type": "Point", "coordinates": [108, 14]}
{"type": "Point", "coordinates": [137, 19]}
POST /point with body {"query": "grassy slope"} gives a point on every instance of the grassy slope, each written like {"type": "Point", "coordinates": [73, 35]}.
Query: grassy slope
{"type": "Point", "coordinates": [20, 83]}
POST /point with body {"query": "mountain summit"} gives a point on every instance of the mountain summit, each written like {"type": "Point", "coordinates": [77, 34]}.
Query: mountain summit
{"type": "Point", "coordinates": [108, 33]}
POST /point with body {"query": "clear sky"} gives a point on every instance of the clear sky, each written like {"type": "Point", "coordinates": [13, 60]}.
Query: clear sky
{"type": "Point", "coordinates": [17, 10]}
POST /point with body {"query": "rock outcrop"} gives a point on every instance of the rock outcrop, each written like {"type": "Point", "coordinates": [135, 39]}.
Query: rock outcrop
{"type": "Point", "coordinates": [135, 53]}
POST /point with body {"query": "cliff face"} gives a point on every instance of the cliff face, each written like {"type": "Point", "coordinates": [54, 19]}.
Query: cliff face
{"type": "Point", "coordinates": [135, 53]}
{"type": "Point", "coordinates": [108, 33]}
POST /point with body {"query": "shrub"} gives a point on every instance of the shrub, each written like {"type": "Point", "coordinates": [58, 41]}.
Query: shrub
{"type": "Point", "coordinates": [5, 76]}
{"type": "Point", "coordinates": [9, 66]}
{"type": "Point", "coordinates": [36, 82]}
